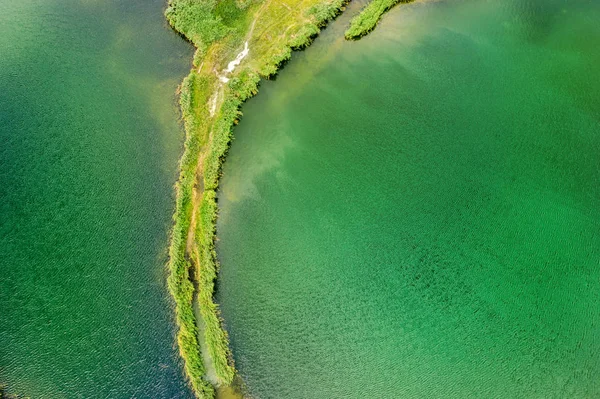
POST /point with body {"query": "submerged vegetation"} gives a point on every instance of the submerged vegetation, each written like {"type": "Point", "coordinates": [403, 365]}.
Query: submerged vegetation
{"type": "Point", "coordinates": [369, 17]}
{"type": "Point", "coordinates": [4, 395]}
{"type": "Point", "coordinates": [210, 105]}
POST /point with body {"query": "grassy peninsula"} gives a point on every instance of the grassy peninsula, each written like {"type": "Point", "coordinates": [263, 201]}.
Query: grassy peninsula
{"type": "Point", "coordinates": [258, 36]}
{"type": "Point", "coordinates": [369, 17]}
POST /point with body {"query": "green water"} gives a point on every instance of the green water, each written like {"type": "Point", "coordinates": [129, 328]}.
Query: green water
{"type": "Point", "coordinates": [90, 141]}
{"type": "Point", "coordinates": [418, 214]}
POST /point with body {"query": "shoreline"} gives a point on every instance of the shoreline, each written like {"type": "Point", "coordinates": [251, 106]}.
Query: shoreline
{"type": "Point", "coordinates": [248, 50]}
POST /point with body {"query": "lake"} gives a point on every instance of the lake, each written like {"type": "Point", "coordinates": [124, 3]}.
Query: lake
{"type": "Point", "coordinates": [417, 214]}
{"type": "Point", "coordinates": [90, 145]}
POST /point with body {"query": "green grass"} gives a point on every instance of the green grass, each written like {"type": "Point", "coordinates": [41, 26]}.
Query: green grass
{"type": "Point", "coordinates": [369, 17]}
{"type": "Point", "coordinates": [197, 21]}
{"type": "Point", "coordinates": [218, 30]}
{"type": "Point", "coordinates": [180, 281]}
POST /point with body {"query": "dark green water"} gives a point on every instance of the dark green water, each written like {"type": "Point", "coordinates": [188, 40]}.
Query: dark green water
{"type": "Point", "coordinates": [88, 157]}
{"type": "Point", "coordinates": [418, 214]}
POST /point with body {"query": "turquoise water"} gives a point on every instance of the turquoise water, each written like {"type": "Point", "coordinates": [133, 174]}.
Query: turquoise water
{"type": "Point", "coordinates": [90, 144]}
{"type": "Point", "coordinates": [417, 214]}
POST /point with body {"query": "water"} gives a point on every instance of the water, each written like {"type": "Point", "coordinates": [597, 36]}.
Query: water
{"type": "Point", "coordinates": [418, 214]}
{"type": "Point", "coordinates": [90, 143]}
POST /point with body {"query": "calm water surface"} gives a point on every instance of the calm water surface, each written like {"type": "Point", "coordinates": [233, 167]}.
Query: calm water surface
{"type": "Point", "coordinates": [88, 156]}
{"type": "Point", "coordinates": [418, 214]}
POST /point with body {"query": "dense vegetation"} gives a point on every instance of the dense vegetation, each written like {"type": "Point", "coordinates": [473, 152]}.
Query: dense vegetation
{"type": "Point", "coordinates": [369, 17]}
{"type": "Point", "coordinates": [219, 29]}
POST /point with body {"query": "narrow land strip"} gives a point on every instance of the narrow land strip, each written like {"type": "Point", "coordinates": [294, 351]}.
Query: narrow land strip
{"type": "Point", "coordinates": [210, 108]}
{"type": "Point", "coordinates": [369, 17]}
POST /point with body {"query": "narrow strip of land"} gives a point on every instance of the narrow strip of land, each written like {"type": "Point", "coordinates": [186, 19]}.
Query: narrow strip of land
{"type": "Point", "coordinates": [369, 17]}
{"type": "Point", "coordinates": [238, 43]}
